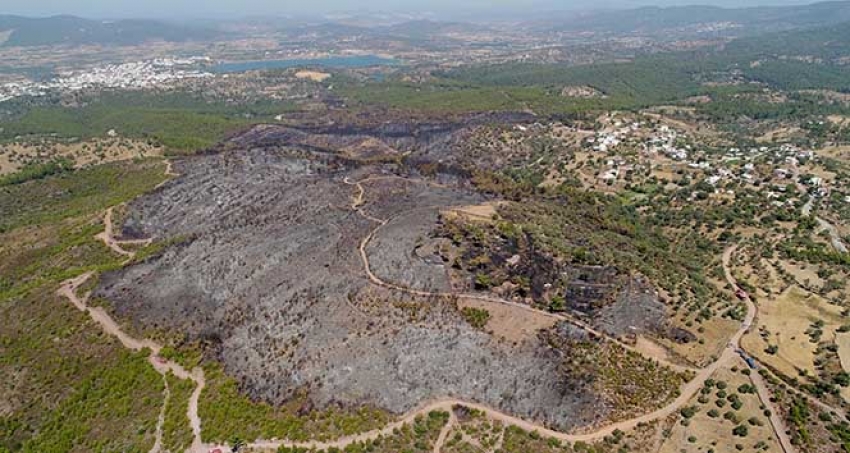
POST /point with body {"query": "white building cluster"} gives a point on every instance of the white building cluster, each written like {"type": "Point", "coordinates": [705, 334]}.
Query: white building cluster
{"type": "Point", "coordinates": [664, 141]}
{"type": "Point", "coordinates": [608, 139]}
{"type": "Point", "coordinates": [134, 75]}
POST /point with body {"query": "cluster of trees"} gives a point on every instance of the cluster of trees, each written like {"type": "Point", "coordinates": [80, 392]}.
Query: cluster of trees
{"type": "Point", "coordinates": [37, 171]}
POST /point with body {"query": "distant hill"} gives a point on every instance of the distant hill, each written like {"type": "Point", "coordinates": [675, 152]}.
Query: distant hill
{"type": "Point", "coordinates": [409, 30]}
{"type": "Point", "coordinates": [801, 59]}
{"type": "Point", "coordinates": [331, 29]}
{"type": "Point", "coordinates": [26, 32]}
{"type": "Point", "coordinates": [827, 43]}
{"type": "Point", "coordinates": [746, 21]}
{"type": "Point", "coordinates": [425, 28]}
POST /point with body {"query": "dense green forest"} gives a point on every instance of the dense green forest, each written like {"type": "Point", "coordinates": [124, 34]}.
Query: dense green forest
{"type": "Point", "coordinates": [179, 121]}
{"type": "Point", "coordinates": [795, 60]}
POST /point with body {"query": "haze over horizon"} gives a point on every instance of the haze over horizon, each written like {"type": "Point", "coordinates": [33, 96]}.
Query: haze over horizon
{"type": "Point", "coordinates": [217, 9]}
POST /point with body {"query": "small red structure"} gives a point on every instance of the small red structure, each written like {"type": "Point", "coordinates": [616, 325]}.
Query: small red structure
{"type": "Point", "coordinates": [162, 360]}
{"type": "Point", "coordinates": [215, 450]}
{"type": "Point", "coordinates": [741, 294]}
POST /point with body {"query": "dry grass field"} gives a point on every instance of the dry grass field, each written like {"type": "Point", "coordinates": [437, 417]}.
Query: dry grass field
{"type": "Point", "coordinates": [802, 273]}
{"type": "Point", "coordinates": [710, 429]}
{"type": "Point", "coordinates": [14, 156]}
{"type": "Point", "coordinates": [510, 323]}
{"type": "Point", "coordinates": [477, 213]}
{"type": "Point", "coordinates": [716, 334]}
{"type": "Point", "coordinates": [842, 339]}
{"type": "Point", "coordinates": [783, 322]}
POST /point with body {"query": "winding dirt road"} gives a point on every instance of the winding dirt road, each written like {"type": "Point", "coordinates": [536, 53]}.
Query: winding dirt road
{"type": "Point", "coordinates": [357, 205]}
{"type": "Point", "coordinates": [108, 237]}
{"type": "Point", "coordinates": [69, 289]}
{"type": "Point", "coordinates": [686, 392]}
{"type": "Point", "coordinates": [162, 366]}
{"type": "Point", "coordinates": [776, 421]}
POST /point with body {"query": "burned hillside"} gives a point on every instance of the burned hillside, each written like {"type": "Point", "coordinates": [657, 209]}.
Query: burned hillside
{"type": "Point", "coordinates": [280, 237]}
{"type": "Point", "coordinates": [574, 252]}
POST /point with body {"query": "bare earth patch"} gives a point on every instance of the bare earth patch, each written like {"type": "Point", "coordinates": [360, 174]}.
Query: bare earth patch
{"type": "Point", "coordinates": [650, 348]}
{"type": "Point", "coordinates": [482, 213]}
{"type": "Point", "coordinates": [312, 75]}
{"type": "Point", "coordinates": [511, 323]}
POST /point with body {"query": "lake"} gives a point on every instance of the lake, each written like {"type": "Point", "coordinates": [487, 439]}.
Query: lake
{"type": "Point", "coordinates": [331, 62]}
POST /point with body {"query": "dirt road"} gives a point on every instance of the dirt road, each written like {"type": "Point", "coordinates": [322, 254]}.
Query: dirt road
{"type": "Point", "coordinates": [687, 391]}
{"type": "Point", "coordinates": [776, 421]}
{"type": "Point", "coordinates": [160, 421]}
{"type": "Point", "coordinates": [834, 236]}
{"type": "Point", "coordinates": [444, 433]}
{"type": "Point", "coordinates": [69, 290]}
{"type": "Point", "coordinates": [359, 201]}
{"type": "Point", "coordinates": [108, 237]}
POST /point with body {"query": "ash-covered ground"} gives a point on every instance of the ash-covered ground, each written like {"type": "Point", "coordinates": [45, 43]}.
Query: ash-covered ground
{"type": "Point", "coordinates": [266, 269]}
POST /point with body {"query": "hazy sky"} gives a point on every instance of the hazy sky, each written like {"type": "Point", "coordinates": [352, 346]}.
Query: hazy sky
{"type": "Point", "coordinates": [242, 8]}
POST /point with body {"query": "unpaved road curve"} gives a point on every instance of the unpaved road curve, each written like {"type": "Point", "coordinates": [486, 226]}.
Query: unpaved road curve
{"type": "Point", "coordinates": [834, 237]}
{"type": "Point", "coordinates": [686, 392]}
{"type": "Point", "coordinates": [69, 288]}
{"type": "Point", "coordinates": [357, 205]}
{"type": "Point", "coordinates": [99, 315]}
{"type": "Point", "coordinates": [108, 237]}
{"type": "Point", "coordinates": [758, 381]}
{"type": "Point", "coordinates": [776, 421]}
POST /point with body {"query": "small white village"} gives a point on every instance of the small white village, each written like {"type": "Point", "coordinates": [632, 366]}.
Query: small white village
{"type": "Point", "coordinates": [132, 75]}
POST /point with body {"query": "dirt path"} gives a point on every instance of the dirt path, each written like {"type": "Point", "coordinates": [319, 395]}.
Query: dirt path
{"type": "Point", "coordinates": [812, 399]}
{"type": "Point", "coordinates": [357, 204]}
{"type": "Point", "coordinates": [775, 418]}
{"type": "Point", "coordinates": [834, 236]}
{"type": "Point", "coordinates": [69, 288]}
{"type": "Point", "coordinates": [776, 421]}
{"type": "Point", "coordinates": [444, 433]}
{"type": "Point", "coordinates": [169, 171]}
{"type": "Point", "coordinates": [108, 237]}
{"type": "Point", "coordinates": [686, 392]}
{"type": "Point", "coordinates": [160, 421]}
